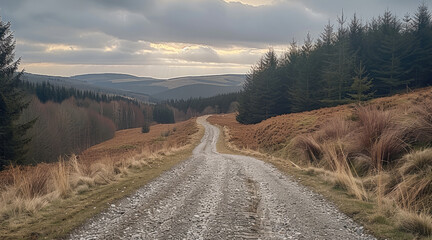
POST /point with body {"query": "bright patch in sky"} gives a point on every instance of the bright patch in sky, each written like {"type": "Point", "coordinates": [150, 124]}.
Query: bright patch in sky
{"type": "Point", "coordinates": [254, 2]}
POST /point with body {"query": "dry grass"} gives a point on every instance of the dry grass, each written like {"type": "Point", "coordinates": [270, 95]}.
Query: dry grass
{"type": "Point", "coordinates": [373, 123]}
{"type": "Point", "coordinates": [422, 127]}
{"type": "Point", "coordinates": [412, 183]}
{"type": "Point", "coordinates": [416, 223]}
{"type": "Point", "coordinates": [335, 157]}
{"type": "Point", "coordinates": [364, 150]}
{"type": "Point", "coordinates": [310, 146]}
{"type": "Point", "coordinates": [336, 128]}
{"type": "Point", "coordinates": [27, 189]}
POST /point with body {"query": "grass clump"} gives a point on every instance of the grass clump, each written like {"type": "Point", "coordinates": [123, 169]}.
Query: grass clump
{"type": "Point", "coordinates": [416, 223]}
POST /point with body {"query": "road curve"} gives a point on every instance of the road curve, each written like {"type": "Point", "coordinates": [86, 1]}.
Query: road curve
{"type": "Point", "coordinates": [220, 196]}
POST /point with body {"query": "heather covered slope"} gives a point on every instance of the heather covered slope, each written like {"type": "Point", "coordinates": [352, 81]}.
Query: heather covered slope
{"type": "Point", "coordinates": [377, 152]}
{"type": "Point", "coordinates": [275, 134]}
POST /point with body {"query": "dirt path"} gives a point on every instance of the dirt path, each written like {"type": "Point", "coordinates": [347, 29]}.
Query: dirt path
{"type": "Point", "coordinates": [220, 196]}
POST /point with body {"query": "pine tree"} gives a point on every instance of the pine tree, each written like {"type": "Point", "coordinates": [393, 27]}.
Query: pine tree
{"type": "Point", "coordinates": [362, 85]}
{"type": "Point", "coordinates": [337, 72]}
{"type": "Point", "coordinates": [356, 34]}
{"type": "Point", "coordinates": [12, 134]}
{"type": "Point", "coordinates": [390, 58]}
{"type": "Point", "coordinates": [422, 69]}
{"type": "Point", "coordinates": [391, 73]}
{"type": "Point", "coordinates": [262, 92]}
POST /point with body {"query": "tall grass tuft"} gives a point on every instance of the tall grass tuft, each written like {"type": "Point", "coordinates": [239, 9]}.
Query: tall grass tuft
{"type": "Point", "coordinates": [310, 146]}
{"type": "Point", "coordinates": [335, 157]}
{"type": "Point", "coordinates": [60, 179]}
{"type": "Point", "coordinates": [336, 128]}
{"type": "Point", "coordinates": [387, 147]}
{"type": "Point", "coordinates": [30, 184]}
{"type": "Point", "coordinates": [423, 123]}
{"type": "Point", "coordinates": [373, 122]}
{"type": "Point", "coordinates": [414, 181]}
{"type": "Point", "coordinates": [416, 223]}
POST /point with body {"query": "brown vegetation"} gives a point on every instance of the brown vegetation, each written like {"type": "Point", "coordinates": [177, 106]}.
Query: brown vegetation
{"type": "Point", "coordinates": [76, 124]}
{"type": "Point", "coordinates": [25, 190]}
{"type": "Point", "coordinates": [378, 152]}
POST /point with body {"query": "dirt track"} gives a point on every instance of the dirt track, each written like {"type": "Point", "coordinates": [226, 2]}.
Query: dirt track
{"type": "Point", "coordinates": [220, 196]}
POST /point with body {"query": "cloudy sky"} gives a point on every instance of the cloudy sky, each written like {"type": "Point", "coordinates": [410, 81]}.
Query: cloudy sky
{"type": "Point", "coordinates": [169, 38]}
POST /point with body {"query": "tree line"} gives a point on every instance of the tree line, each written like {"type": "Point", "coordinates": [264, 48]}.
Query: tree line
{"type": "Point", "coordinates": [46, 91]}
{"type": "Point", "coordinates": [353, 62]}
{"type": "Point", "coordinates": [221, 103]}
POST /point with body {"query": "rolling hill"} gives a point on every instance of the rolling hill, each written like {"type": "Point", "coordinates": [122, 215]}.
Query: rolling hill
{"type": "Point", "coordinates": [83, 85]}
{"type": "Point", "coordinates": [174, 88]}
{"type": "Point", "coordinates": [147, 88]}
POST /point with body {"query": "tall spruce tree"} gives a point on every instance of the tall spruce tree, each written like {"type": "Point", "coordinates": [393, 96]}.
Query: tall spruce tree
{"type": "Point", "coordinates": [422, 69]}
{"type": "Point", "coordinates": [12, 133]}
{"type": "Point", "coordinates": [390, 51]}
{"type": "Point", "coordinates": [261, 93]}
{"type": "Point", "coordinates": [362, 84]}
{"type": "Point", "coordinates": [337, 72]}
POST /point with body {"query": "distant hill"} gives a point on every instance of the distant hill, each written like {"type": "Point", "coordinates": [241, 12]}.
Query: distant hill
{"type": "Point", "coordinates": [174, 88]}
{"type": "Point", "coordinates": [83, 85]}
{"type": "Point", "coordinates": [104, 77]}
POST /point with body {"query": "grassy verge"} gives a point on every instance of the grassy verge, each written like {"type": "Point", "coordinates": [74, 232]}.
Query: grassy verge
{"type": "Point", "coordinates": [380, 221]}
{"type": "Point", "coordinates": [61, 216]}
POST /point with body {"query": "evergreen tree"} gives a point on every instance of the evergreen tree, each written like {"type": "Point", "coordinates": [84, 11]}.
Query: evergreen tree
{"type": "Point", "coordinates": [12, 140]}
{"type": "Point", "coordinates": [327, 38]}
{"type": "Point", "coordinates": [356, 35]}
{"type": "Point", "coordinates": [337, 72]}
{"type": "Point", "coordinates": [163, 114]}
{"type": "Point", "coordinates": [361, 85]}
{"type": "Point", "coordinates": [261, 96]}
{"type": "Point", "coordinates": [340, 67]}
{"type": "Point", "coordinates": [422, 69]}
{"type": "Point", "coordinates": [387, 67]}
{"type": "Point", "coordinates": [390, 73]}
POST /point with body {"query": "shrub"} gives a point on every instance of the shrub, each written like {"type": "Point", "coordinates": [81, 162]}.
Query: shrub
{"type": "Point", "coordinates": [165, 133]}
{"type": "Point", "coordinates": [145, 128]}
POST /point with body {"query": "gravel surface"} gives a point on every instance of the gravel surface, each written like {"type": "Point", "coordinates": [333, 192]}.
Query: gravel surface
{"type": "Point", "coordinates": [220, 196]}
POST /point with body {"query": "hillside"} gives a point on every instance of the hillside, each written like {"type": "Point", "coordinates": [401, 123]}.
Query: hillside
{"type": "Point", "coordinates": [49, 200]}
{"type": "Point", "coordinates": [374, 160]}
{"type": "Point", "coordinates": [274, 134]}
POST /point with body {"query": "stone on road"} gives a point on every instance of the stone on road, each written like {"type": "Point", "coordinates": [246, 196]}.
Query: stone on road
{"type": "Point", "coordinates": [221, 196]}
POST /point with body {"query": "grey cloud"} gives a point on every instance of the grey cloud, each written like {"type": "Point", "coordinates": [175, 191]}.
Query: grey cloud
{"type": "Point", "coordinates": [132, 24]}
{"type": "Point", "coordinates": [211, 22]}
{"type": "Point", "coordinates": [365, 9]}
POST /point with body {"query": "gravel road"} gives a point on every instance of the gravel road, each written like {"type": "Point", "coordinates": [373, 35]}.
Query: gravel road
{"type": "Point", "coordinates": [220, 196]}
